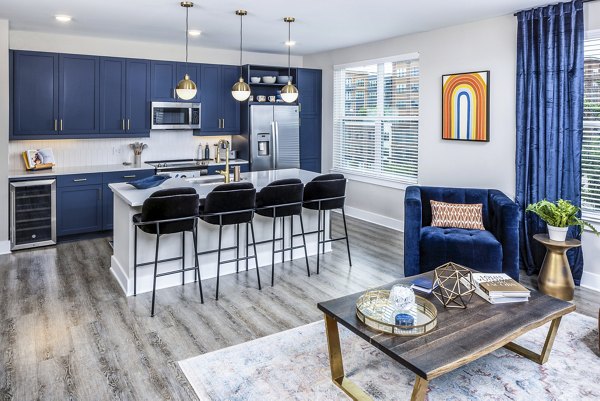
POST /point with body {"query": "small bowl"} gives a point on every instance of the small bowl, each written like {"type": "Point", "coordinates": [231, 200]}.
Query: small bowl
{"type": "Point", "coordinates": [269, 79]}
{"type": "Point", "coordinates": [283, 79]}
{"type": "Point", "coordinates": [255, 80]}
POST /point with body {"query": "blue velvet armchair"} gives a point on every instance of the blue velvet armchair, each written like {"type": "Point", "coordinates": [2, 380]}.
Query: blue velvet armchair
{"type": "Point", "coordinates": [493, 250]}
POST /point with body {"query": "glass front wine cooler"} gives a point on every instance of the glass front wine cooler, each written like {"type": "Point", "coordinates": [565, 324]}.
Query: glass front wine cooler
{"type": "Point", "coordinates": [32, 213]}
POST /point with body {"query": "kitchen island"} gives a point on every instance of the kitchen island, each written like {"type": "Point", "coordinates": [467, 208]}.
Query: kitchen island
{"type": "Point", "coordinates": [128, 201]}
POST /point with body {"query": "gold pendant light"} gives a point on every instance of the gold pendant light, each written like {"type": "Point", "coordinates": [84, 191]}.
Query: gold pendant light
{"type": "Point", "coordinates": [289, 93]}
{"type": "Point", "coordinates": [186, 88]}
{"type": "Point", "coordinates": [241, 90]}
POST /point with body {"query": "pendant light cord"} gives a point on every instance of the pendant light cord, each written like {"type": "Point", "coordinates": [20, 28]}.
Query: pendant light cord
{"type": "Point", "coordinates": [289, 49]}
{"type": "Point", "coordinates": [241, 41]}
{"type": "Point", "coordinates": [186, 38]}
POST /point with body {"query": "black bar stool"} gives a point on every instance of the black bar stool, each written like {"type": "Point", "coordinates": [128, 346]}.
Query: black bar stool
{"type": "Point", "coordinates": [168, 211]}
{"type": "Point", "coordinates": [281, 199]}
{"type": "Point", "coordinates": [230, 204]}
{"type": "Point", "coordinates": [327, 192]}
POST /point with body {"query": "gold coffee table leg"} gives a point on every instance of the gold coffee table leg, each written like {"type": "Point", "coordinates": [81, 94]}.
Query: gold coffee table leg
{"type": "Point", "coordinates": [541, 358]}
{"type": "Point", "coordinates": [337, 368]}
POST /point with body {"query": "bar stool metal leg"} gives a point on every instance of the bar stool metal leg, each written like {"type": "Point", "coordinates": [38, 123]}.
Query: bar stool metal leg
{"type": "Point", "coordinates": [324, 237]}
{"type": "Point", "coordinates": [219, 260]}
{"type": "Point", "coordinates": [282, 239]}
{"type": "Point", "coordinates": [182, 257]}
{"type": "Point", "coordinates": [155, 271]}
{"type": "Point", "coordinates": [135, 235]}
{"type": "Point", "coordinates": [255, 255]}
{"type": "Point", "coordinates": [318, 236]}
{"type": "Point", "coordinates": [247, 238]}
{"type": "Point", "coordinates": [273, 254]}
{"type": "Point", "coordinates": [347, 241]}
{"type": "Point", "coordinates": [292, 237]}
{"type": "Point", "coordinates": [237, 248]}
{"type": "Point", "coordinates": [197, 264]}
{"type": "Point", "coordinates": [304, 242]}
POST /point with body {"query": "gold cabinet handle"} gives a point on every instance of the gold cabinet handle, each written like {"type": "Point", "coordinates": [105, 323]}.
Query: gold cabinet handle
{"type": "Point", "coordinates": [61, 124]}
{"type": "Point", "coordinates": [129, 176]}
{"type": "Point", "coordinates": [127, 124]}
{"type": "Point", "coordinates": [55, 125]}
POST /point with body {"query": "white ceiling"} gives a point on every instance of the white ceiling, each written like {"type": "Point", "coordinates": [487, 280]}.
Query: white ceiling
{"type": "Point", "coordinates": [321, 25]}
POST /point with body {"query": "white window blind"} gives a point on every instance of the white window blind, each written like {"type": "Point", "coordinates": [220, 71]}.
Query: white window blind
{"type": "Point", "coordinates": [590, 155]}
{"type": "Point", "coordinates": [376, 119]}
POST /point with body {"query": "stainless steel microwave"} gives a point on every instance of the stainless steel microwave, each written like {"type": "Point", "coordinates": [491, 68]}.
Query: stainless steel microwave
{"type": "Point", "coordinates": [173, 115]}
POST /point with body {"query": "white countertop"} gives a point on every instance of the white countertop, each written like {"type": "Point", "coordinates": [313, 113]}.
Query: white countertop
{"type": "Point", "coordinates": [136, 197]}
{"type": "Point", "coordinates": [59, 170]}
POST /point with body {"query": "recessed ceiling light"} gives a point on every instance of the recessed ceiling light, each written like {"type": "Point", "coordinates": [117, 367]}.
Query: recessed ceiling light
{"type": "Point", "coordinates": [63, 18]}
{"type": "Point", "coordinates": [194, 32]}
{"type": "Point", "coordinates": [290, 42]}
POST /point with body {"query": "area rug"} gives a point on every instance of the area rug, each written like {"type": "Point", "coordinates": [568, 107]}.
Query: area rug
{"type": "Point", "coordinates": [294, 365]}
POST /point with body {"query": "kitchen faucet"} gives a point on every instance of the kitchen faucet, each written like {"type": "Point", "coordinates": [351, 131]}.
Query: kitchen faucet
{"type": "Point", "coordinates": [224, 173]}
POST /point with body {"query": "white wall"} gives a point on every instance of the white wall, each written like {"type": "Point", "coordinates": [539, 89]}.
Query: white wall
{"type": "Point", "coordinates": [4, 95]}
{"type": "Point", "coordinates": [484, 45]}
{"type": "Point", "coordinates": [49, 42]}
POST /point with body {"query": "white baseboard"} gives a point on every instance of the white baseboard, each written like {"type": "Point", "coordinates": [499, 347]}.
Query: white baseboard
{"type": "Point", "coordinates": [4, 247]}
{"type": "Point", "coordinates": [591, 281]}
{"type": "Point", "coordinates": [375, 218]}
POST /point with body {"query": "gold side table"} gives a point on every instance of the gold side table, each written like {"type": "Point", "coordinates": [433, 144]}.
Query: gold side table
{"type": "Point", "coordinates": [555, 276]}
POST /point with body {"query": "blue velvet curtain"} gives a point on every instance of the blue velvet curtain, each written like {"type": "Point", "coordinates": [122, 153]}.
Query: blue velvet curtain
{"type": "Point", "coordinates": [549, 120]}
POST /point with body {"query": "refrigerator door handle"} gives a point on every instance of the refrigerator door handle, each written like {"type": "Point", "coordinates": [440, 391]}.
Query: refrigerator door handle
{"type": "Point", "coordinates": [275, 140]}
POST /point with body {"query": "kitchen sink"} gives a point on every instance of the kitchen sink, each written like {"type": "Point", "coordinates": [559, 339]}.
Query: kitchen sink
{"type": "Point", "coordinates": [208, 181]}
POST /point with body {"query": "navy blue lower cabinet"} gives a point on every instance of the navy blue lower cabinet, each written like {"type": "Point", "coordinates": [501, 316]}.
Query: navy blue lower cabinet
{"type": "Point", "coordinates": [108, 196]}
{"type": "Point", "coordinates": [79, 209]}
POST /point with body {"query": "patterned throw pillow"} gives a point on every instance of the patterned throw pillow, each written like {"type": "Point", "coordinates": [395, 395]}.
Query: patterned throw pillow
{"type": "Point", "coordinates": [458, 215]}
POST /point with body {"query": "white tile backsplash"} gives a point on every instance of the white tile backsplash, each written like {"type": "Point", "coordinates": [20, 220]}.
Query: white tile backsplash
{"type": "Point", "coordinates": [162, 145]}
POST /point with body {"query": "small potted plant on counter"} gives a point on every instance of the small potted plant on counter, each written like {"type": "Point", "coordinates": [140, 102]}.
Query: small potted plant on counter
{"type": "Point", "coordinates": [559, 216]}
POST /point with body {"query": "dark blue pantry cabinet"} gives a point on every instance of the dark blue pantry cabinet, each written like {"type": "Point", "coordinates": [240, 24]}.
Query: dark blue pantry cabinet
{"type": "Point", "coordinates": [309, 83]}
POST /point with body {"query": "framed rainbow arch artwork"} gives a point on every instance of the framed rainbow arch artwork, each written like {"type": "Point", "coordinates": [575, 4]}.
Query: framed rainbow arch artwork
{"type": "Point", "coordinates": [465, 106]}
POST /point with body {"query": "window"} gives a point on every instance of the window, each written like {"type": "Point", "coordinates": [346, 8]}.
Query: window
{"type": "Point", "coordinates": [590, 155]}
{"type": "Point", "coordinates": [376, 118]}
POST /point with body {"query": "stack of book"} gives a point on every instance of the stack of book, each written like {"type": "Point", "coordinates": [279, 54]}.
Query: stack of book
{"type": "Point", "coordinates": [423, 284]}
{"type": "Point", "coordinates": [499, 288]}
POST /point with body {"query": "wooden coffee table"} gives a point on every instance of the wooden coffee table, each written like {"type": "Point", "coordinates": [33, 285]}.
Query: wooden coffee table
{"type": "Point", "coordinates": [461, 336]}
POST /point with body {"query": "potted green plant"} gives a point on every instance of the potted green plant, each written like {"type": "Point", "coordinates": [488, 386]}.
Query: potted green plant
{"type": "Point", "coordinates": [559, 216]}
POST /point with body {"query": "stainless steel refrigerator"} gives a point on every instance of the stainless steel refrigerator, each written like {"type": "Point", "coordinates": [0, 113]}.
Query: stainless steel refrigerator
{"type": "Point", "coordinates": [274, 137]}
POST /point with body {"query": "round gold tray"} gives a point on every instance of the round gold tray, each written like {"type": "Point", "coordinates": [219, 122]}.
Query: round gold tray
{"type": "Point", "coordinates": [374, 310]}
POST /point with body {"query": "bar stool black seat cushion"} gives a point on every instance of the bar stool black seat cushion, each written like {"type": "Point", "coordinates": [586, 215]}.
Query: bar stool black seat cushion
{"type": "Point", "coordinates": [230, 198]}
{"type": "Point", "coordinates": [280, 192]}
{"type": "Point", "coordinates": [172, 203]}
{"type": "Point", "coordinates": [227, 187]}
{"type": "Point", "coordinates": [323, 187]}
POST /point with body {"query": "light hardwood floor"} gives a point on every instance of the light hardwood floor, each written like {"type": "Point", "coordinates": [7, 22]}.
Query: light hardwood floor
{"type": "Point", "coordinates": [67, 331]}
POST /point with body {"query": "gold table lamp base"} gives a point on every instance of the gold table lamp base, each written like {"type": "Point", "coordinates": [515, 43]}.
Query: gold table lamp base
{"type": "Point", "coordinates": [555, 278]}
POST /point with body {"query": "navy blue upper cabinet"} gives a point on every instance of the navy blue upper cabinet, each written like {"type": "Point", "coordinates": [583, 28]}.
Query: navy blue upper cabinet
{"type": "Point", "coordinates": [230, 108]}
{"type": "Point", "coordinates": [79, 94]}
{"type": "Point", "coordinates": [164, 80]}
{"type": "Point", "coordinates": [210, 115]}
{"type": "Point", "coordinates": [35, 93]}
{"type": "Point", "coordinates": [309, 88]}
{"type": "Point", "coordinates": [220, 111]}
{"type": "Point", "coordinates": [112, 95]}
{"type": "Point", "coordinates": [137, 97]}
{"type": "Point", "coordinates": [193, 71]}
